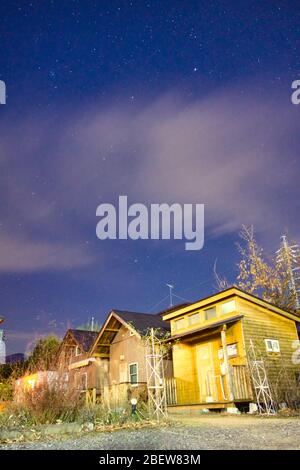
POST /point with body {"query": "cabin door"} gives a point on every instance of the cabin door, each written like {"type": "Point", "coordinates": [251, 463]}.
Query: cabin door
{"type": "Point", "coordinates": [206, 373]}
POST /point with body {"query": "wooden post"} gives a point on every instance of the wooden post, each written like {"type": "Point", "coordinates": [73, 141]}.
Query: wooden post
{"type": "Point", "coordinates": [225, 356]}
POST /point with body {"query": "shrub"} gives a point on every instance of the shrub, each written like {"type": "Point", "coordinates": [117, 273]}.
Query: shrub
{"type": "Point", "coordinates": [45, 404]}
{"type": "Point", "coordinates": [6, 391]}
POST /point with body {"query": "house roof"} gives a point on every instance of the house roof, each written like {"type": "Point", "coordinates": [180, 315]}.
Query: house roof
{"type": "Point", "coordinates": [173, 308]}
{"type": "Point", "coordinates": [142, 322]}
{"type": "Point", "coordinates": [84, 338]}
{"type": "Point", "coordinates": [136, 322]}
{"type": "Point", "coordinates": [230, 292]}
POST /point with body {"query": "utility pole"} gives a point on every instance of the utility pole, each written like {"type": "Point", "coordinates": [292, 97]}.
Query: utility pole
{"type": "Point", "coordinates": [290, 254]}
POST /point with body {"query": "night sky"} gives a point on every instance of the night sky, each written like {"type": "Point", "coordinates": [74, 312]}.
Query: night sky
{"type": "Point", "coordinates": [162, 101]}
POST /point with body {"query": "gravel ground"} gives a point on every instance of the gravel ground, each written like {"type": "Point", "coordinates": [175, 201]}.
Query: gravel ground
{"type": "Point", "coordinates": [201, 432]}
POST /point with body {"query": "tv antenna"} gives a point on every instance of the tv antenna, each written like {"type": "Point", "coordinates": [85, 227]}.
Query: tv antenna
{"type": "Point", "coordinates": [170, 293]}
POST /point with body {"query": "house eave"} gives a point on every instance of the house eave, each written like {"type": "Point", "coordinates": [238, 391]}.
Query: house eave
{"type": "Point", "coordinates": [211, 326]}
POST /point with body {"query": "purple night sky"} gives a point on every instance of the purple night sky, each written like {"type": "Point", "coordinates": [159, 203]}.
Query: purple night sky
{"type": "Point", "coordinates": [172, 101]}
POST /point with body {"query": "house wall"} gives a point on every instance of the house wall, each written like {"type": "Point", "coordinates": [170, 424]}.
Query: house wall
{"type": "Point", "coordinates": [187, 367]}
{"type": "Point", "coordinates": [95, 373]}
{"type": "Point", "coordinates": [127, 349]}
{"type": "Point", "coordinates": [202, 322]}
{"type": "Point", "coordinates": [260, 324]}
{"type": "Point", "coordinates": [124, 350]}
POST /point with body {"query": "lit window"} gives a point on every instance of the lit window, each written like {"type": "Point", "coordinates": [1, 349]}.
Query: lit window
{"type": "Point", "coordinates": [77, 351]}
{"type": "Point", "coordinates": [180, 323]}
{"type": "Point", "coordinates": [133, 373]}
{"type": "Point", "coordinates": [210, 313]}
{"type": "Point", "coordinates": [228, 307]}
{"type": "Point", "coordinates": [193, 319]}
{"type": "Point", "coordinates": [272, 345]}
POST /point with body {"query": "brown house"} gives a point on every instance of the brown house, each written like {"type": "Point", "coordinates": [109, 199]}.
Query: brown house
{"type": "Point", "coordinates": [121, 342]}
{"type": "Point", "coordinates": [85, 371]}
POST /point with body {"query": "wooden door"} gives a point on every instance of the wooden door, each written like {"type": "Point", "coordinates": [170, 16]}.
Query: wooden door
{"type": "Point", "coordinates": [206, 374]}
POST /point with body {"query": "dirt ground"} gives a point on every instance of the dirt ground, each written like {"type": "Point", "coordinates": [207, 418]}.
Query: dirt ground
{"type": "Point", "coordinates": [187, 432]}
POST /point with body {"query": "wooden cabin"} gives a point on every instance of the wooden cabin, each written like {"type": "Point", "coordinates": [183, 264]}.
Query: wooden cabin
{"type": "Point", "coordinates": [121, 342]}
{"type": "Point", "coordinates": [214, 340]}
{"type": "Point", "coordinates": [85, 371]}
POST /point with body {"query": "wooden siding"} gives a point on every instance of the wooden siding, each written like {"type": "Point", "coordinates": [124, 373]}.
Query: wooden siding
{"type": "Point", "coordinates": [127, 349]}
{"type": "Point", "coordinates": [260, 324]}
{"type": "Point", "coordinates": [188, 369]}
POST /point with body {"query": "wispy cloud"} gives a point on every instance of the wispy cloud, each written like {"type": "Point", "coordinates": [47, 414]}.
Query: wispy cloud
{"type": "Point", "coordinates": [231, 151]}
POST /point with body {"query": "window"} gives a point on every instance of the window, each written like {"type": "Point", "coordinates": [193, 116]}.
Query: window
{"type": "Point", "coordinates": [133, 373]}
{"type": "Point", "coordinates": [210, 313]}
{"type": "Point", "coordinates": [195, 318]}
{"type": "Point", "coordinates": [180, 323]}
{"type": "Point", "coordinates": [228, 307]}
{"type": "Point", "coordinates": [272, 345]}
{"type": "Point", "coordinates": [77, 351]}
{"type": "Point", "coordinates": [83, 381]}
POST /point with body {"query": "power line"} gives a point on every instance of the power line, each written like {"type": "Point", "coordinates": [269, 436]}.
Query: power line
{"type": "Point", "coordinates": [158, 303]}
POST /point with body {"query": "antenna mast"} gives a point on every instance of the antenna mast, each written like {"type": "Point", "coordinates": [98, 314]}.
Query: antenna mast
{"type": "Point", "coordinates": [290, 254]}
{"type": "Point", "coordinates": [171, 295]}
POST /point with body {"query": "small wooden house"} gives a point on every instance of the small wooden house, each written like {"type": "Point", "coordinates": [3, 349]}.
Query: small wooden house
{"type": "Point", "coordinates": [85, 371]}
{"type": "Point", "coordinates": [214, 340]}
{"type": "Point", "coordinates": [121, 342]}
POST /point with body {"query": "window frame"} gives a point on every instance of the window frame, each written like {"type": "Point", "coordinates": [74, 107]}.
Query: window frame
{"type": "Point", "coordinates": [177, 321]}
{"type": "Point", "coordinates": [193, 315]}
{"type": "Point", "coordinates": [134, 384]}
{"type": "Point", "coordinates": [226, 303]}
{"type": "Point", "coordinates": [273, 341]}
{"type": "Point", "coordinates": [211, 308]}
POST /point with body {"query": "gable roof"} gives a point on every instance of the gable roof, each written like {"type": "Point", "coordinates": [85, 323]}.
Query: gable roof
{"type": "Point", "coordinates": [137, 323]}
{"type": "Point", "coordinates": [83, 338]}
{"type": "Point", "coordinates": [142, 322]}
{"type": "Point", "coordinates": [230, 292]}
